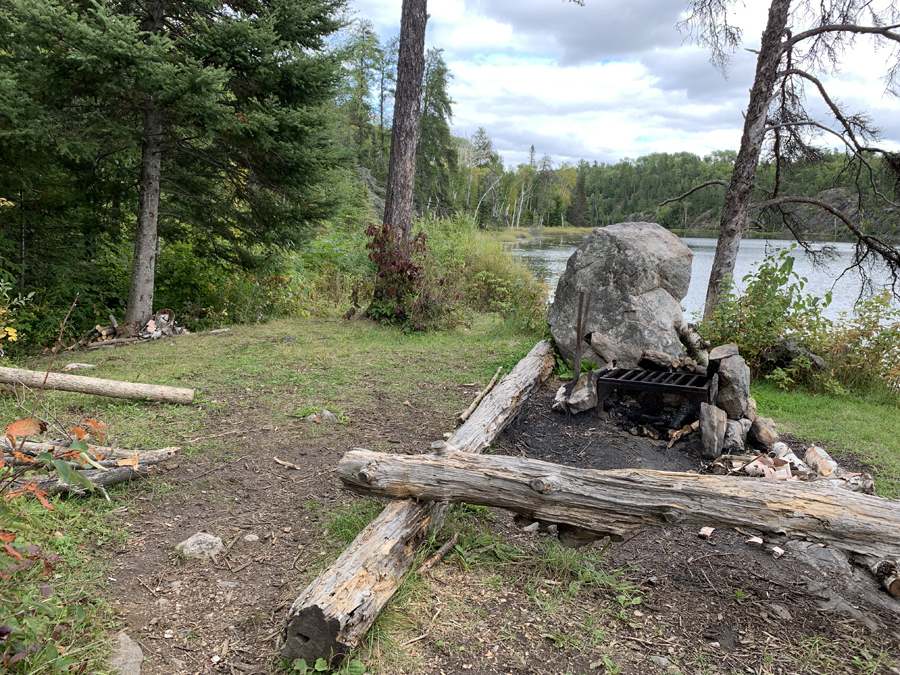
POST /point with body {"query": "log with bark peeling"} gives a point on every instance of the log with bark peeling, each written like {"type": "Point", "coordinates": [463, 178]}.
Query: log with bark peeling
{"type": "Point", "coordinates": [621, 502]}
{"type": "Point", "coordinates": [333, 613]}
{"type": "Point", "coordinates": [96, 386]}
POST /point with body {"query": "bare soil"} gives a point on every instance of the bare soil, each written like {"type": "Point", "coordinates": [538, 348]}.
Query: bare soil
{"type": "Point", "coordinates": [706, 606]}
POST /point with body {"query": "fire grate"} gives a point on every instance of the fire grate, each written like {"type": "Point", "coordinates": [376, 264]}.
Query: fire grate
{"type": "Point", "coordinates": [696, 388]}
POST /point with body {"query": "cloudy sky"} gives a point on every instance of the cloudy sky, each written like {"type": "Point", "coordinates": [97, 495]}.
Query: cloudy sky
{"type": "Point", "coordinates": [609, 80]}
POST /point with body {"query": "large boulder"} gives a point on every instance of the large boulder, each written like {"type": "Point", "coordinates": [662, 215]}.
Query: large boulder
{"type": "Point", "coordinates": [734, 386]}
{"type": "Point", "coordinates": [637, 274]}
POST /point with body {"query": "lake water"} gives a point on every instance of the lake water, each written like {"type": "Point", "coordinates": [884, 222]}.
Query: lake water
{"type": "Point", "coordinates": [547, 256]}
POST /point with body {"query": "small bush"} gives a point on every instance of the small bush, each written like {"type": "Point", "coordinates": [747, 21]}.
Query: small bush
{"type": "Point", "coordinates": [861, 351]}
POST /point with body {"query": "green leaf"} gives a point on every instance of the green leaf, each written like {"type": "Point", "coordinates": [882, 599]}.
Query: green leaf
{"type": "Point", "coordinates": [300, 665]}
{"type": "Point", "coordinates": [79, 446]}
{"type": "Point", "coordinates": [65, 471]}
{"type": "Point", "coordinates": [356, 667]}
{"type": "Point", "coordinates": [44, 457]}
{"type": "Point", "coordinates": [84, 480]}
{"type": "Point", "coordinates": [321, 665]}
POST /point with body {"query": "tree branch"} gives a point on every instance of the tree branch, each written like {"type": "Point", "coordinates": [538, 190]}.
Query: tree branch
{"type": "Point", "coordinates": [885, 31]}
{"type": "Point", "coordinates": [693, 190]}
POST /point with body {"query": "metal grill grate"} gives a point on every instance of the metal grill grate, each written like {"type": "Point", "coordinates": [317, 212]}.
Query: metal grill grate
{"type": "Point", "coordinates": [693, 387]}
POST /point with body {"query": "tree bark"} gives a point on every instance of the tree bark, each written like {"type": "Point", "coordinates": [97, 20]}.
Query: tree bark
{"type": "Point", "coordinates": [330, 617]}
{"type": "Point", "coordinates": [96, 386]}
{"type": "Point", "coordinates": [398, 203]}
{"type": "Point", "coordinates": [735, 212]}
{"type": "Point", "coordinates": [618, 503]}
{"type": "Point", "coordinates": [143, 267]}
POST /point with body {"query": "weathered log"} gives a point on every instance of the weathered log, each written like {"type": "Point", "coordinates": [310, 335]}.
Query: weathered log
{"type": "Point", "coordinates": [152, 456]}
{"type": "Point", "coordinates": [98, 478]}
{"type": "Point", "coordinates": [330, 617]}
{"type": "Point", "coordinates": [621, 502]}
{"type": "Point", "coordinates": [96, 386]}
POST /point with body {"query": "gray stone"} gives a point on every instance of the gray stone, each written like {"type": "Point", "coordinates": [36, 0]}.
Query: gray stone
{"type": "Point", "coordinates": [251, 537]}
{"type": "Point", "coordinates": [713, 422]}
{"type": "Point", "coordinates": [734, 386]}
{"type": "Point", "coordinates": [763, 434]}
{"type": "Point", "coordinates": [750, 411]}
{"type": "Point", "coordinates": [328, 416]}
{"type": "Point", "coordinates": [637, 274]}
{"type": "Point", "coordinates": [735, 438]}
{"type": "Point", "coordinates": [745, 425]}
{"type": "Point", "coordinates": [201, 545]}
{"type": "Point", "coordinates": [784, 351]}
{"type": "Point", "coordinates": [661, 661]}
{"type": "Point", "coordinates": [780, 611]}
{"type": "Point", "coordinates": [128, 656]}
{"type": "Point", "coordinates": [584, 394]}
{"type": "Point", "coordinates": [559, 401]}
{"type": "Point", "coordinates": [178, 663]}
{"type": "Point", "coordinates": [228, 584]}
{"type": "Point", "coordinates": [653, 360]}
{"type": "Point", "coordinates": [723, 352]}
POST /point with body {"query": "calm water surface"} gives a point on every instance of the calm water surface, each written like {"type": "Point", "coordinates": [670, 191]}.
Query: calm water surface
{"type": "Point", "coordinates": [547, 256]}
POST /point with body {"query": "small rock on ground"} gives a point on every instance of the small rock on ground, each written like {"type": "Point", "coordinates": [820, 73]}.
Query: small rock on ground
{"type": "Point", "coordinates": [128, 656]}
{"type": "Point", "coordinates": [201, 545]}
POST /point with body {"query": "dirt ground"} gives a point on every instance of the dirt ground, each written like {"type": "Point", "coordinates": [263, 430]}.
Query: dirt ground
{"type": "Point", "coordinates": [705, 606]}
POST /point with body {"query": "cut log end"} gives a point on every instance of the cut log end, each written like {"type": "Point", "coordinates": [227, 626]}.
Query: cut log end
{"type": "Point", "coordinates": [308, 635]}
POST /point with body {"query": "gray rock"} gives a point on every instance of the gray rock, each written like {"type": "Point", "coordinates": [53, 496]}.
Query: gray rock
{"type": "Point", "coordinates": [201, 545]}
{"type": "Point", "coordinates": [328, 416]}
{"type": "Point", "coordinates": [637, 274]}
{"type": "Point", "coordinates": [559, 401]}
{"type": "Point", "coordinates": [745, 425]}
{"type": "Point", "coordinates": [653, 360]}
{"type": "Point", "coordinates": [735, 438]}
{"type": "Point", "coordinates": [784, 351]}
{"type": "Point", "coordinates": [128, 656]}
{"type": "Point", "coordinates": [251, 537]}
{"type": "Point", "coordinates": [750, 411]}
{"type": "Point", "coordinates": [584, 395]}
{"type": "Point", "coordinates": [734, 386]}
{"type": "Point", "coordinates": [661, 661]}
{"type": "Point", "coordinates": [780, 611]}
{"type": "Point", "coordinates": [763, 434]}
{"type": "Point", "coordinates": [178, 663]}
{"type": "Point", "coordinates": [723, 352]}
{"type": "Point", "coordinates": [713, 422]}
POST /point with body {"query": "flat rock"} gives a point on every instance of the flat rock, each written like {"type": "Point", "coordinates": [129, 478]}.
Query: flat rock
{"type": "Point", "coordinates": [653, 360]}
{"type": "Point", "coordinates": [328, 416]}
{"type": "Point", "coordinates": [201, 545]}
{"type": "Point", "coordinates": [713, 423]}
{"type": "Point", "coordinates": [763, 434]}
{"type": "Point", "coordinates": [723, 351]}
{"type": "Point", "coordinates": [637, 274]}
{"type": "Point", "coordinates": [750, 411]}
{"type": "Point", "coordinates": [734, 386]}
{"type": "Point", "coordinates": [127, 657]}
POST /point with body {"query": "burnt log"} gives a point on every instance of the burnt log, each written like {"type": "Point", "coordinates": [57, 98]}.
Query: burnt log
{"type": "Point", "coordinates": [621, 502]}
{"type": "Point", "coordinates": [333, 613]}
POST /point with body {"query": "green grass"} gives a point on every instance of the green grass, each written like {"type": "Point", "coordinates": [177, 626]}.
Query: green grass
{"type": "Point", "coordinates": [866, 427]}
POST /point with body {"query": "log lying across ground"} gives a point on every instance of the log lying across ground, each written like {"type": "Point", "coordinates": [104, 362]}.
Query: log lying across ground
{"type": "Point", "coordinates": [340, 605]}
{"type": "Point", "coordinates": [96, 386]}
{"type": "Point", "coordinates": [621, 502]}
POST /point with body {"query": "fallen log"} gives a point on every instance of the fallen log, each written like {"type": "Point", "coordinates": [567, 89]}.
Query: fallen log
{"type": "Point", "coordinates": [621, 502]}
{"type": "Point", "coordinates": [96, 386]}
{"type": "Point", "coordinates": [35, 448]}
{"type": "Point", "coordinates": [333, 613]}
{"type": "Point", "coordinates": [468, 411]}
{"type": "Point", "coordinates": [884, 571]}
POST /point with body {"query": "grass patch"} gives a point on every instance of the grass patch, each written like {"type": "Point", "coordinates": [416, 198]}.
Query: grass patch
{"type": "Point", "coordinates": [867, 428]}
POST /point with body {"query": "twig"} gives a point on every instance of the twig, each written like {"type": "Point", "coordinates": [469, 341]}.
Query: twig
{"type": "Point", "coordinates": [143, 583]}
{"type": "Point", "coordinates": [287, 464]}
{"type": "Point", "coordinates": [435, 558]}
{"type": "Point", "coordinates": [471, 408]}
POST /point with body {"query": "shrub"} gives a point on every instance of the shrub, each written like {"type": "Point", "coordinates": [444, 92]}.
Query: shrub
{"type": "Point", "coordinates": [861, 350]}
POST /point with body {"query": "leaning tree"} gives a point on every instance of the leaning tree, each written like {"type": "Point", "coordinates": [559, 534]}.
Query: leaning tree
{"type": "Point", "coordinates": [801, 41]}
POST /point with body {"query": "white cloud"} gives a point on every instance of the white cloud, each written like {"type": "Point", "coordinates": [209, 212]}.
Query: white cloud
{"type": "Point", "coordinates": [608, 80]}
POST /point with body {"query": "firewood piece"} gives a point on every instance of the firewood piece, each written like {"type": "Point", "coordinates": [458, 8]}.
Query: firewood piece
{"type": "Point", "coordinates": [104, 331]}
{"type": "Point", "coordinates": [623, 501]}
{"type": "Point", "coordinates": [782, 451]}
{"type": "Point", "coordinates": [96, 386]}
{"type": "Point", "coordinates": [884, 571]}
{"type": "Point", "coordinates": [341, 604]}
{"type": "Point", "coordinates": [107, 341]}
{"type": "Point", "coordinates": [820, 461]}
{"type": "Point", "coordinates": [468, 411]}
{"type": "Point", "coordinates": [436, 557]}
{"type": "Point", "coordinates": [98, 478]}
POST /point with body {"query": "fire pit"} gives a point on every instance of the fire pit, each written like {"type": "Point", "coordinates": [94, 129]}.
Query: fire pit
{"type": "Point", "coordinates": [695, 388]}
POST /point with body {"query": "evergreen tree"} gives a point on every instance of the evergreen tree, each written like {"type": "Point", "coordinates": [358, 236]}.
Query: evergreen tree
{"type": "Point", "coordinates": [436, 152]}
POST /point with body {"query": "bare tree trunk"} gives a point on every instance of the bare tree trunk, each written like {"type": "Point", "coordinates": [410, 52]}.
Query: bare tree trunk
{"type": "Point", "coordinates": [398, 203]}
{"type": "Point", "coordinates": [735, 212]}
{"type": "Point", "coordinates": [143, 268]}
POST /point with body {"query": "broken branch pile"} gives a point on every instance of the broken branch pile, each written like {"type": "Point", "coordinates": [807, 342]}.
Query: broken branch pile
{"type": "Point", "coordinates": [161, 325]}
